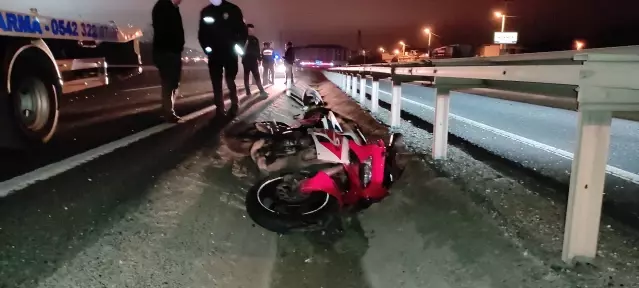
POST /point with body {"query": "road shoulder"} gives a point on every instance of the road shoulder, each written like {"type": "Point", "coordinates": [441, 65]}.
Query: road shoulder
{"type": "Point", "coordinates": [520, 208]}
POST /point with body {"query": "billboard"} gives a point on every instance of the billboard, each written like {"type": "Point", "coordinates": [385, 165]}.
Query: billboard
{"type": "Point", "coordinates": [506, 37]}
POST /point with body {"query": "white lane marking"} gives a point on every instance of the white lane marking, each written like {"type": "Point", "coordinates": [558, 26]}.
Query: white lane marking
{"type": "Point", "coordinates": [237, 82]}
{"type": "Point", "coordinates": [618, 172]}
{"type": "Point", "coordinates": [20, 182]}
{"type": "Point", "coordinates": [142, 88]}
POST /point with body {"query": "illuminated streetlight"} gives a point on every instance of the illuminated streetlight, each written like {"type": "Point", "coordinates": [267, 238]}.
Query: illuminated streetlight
{"type": "Point", "coordinates": [579, 45]}
{"type": "Point", "coordinates": [430, 34]}
{"type": "Point", "coordinates": [396, 52]}
{"type": "Point", "coordinates": [381, 49]}
{"type": "Point", "coordinates": [503, 20]}
{"type": "Point", "coordinates": [503, 17]}
{"type": "Point", "coordinates": [403, 47]}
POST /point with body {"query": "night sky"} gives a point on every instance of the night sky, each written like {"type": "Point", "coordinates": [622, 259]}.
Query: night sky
{"type": "Point", "coordinates": [542, 24]}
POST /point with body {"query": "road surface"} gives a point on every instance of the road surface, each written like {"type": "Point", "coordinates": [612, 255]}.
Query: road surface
{"type": "Point", "coordinates": [89, 119]}
{"type": "Point", "coordinates": [167, 211]}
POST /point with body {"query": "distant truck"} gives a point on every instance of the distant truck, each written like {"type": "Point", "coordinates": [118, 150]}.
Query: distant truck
{"type": "Point", "coordinates": [321, 56]}
{"type": "Point", "coordinates": [453, 51]}
{"type": "Point", "coordinates": [44, 58]}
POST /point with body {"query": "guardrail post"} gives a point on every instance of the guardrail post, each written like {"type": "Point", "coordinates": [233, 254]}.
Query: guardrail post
{"type": "Point", "coordinates": [396, 104]}
{"type": "Point", "coordinates": [362, 89]}
{"type": "Point", "coordinates": [375, 95]}
{"type": "Point", "coordinates": [440, 127]}
{"type": "Point", "coordinates": [354, 86]}
{"type": "Point", "coordinates": [349, 79]}
{"type": "Point", "coordinates": [343, 81]}
{"type": "Point", "coordinates": [586, 185]}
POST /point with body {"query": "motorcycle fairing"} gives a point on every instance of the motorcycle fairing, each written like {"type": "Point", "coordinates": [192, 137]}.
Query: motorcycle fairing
{"type": "Point", "coordinates": [375, 190]}
{"type": "Point", "coordinates": [331, 146]}
{"type": "Point", "coordinates": [322, 183]}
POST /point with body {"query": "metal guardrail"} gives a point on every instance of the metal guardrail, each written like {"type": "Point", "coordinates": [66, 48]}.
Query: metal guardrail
{"type": "Point", "coordinates": [604, 80]}
{"type": "Point", "coordinates": [514, 59]}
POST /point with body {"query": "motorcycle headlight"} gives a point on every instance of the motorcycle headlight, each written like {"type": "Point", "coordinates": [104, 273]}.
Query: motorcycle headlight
{"type": "Point", "coordinates": [366, 172]}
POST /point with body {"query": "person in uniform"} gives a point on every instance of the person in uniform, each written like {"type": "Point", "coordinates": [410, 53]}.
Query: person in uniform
{"type": "Point", "coordinates": [268, 62]}
{"type": "Point", "coordinates": [168, 44]}
{"type": "Point", "coordinates": [251, 61]}
{"type": "Point", "coordinates": [289, 61]}
{"type": "Point", "coordinates": [222, 34]}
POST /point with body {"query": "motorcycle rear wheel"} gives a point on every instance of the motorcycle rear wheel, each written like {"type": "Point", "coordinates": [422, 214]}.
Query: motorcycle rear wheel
{"type": "Point", "coordinates": [274, 209]}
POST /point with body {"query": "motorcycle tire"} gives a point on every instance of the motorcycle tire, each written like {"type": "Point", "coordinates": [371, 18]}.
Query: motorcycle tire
{"type": "Point", "coordinates": [285, 223]}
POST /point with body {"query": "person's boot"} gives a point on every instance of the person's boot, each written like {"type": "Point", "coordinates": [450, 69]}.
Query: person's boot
{"type": "Point", "coordinates": [233, 111]}
{"type": "Point", "coordinates": [220, 113]}
{"type": "Point", "coordinates": [171, 117]}
{"type": "Point", "coordinates": [169, 112]}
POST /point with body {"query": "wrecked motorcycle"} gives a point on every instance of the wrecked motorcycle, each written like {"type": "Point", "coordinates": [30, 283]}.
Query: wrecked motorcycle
{"type": "Point", "coordinates": [308, 199]}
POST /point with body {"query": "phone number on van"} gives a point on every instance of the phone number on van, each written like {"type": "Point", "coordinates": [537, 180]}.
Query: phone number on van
{"type": "Point", "coordinates": [23, 23]}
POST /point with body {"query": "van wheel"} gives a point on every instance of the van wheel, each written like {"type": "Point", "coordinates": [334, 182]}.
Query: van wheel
{"type": "Point", "coordinates": [34, 97]}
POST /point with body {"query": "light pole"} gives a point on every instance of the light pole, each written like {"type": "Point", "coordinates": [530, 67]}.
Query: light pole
{"type": "Point", "coordinates": [503, 24]}
{"type": "Point", "coordinates": [503, 20]}
{"type": "Point", "coordinates": [430, 34]}
{"type": "Point", "coordinates": [403, 47]}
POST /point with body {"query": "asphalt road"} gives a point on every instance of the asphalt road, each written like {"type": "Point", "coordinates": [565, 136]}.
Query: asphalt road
{"type": "Point", "coordinates": [95, 117]}
{"type": "Point", "coordinates": [506, 128]}
{"type": "Point", "coordinates": [167, 211]}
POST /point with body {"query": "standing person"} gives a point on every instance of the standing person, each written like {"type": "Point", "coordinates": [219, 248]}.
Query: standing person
{"type": "Point", "coordinates": [222, 34]}
{"type": "Point", "coordinates": [289, 60]}
{"type": "Point", "coordinates": [251, 61]}
{"type": "Point", "coordinates": [168, 43]}
{"type": "Point", "coordinates": [268, 61]}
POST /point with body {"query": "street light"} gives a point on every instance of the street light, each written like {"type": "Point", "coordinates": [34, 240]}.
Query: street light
{"type": "Point", "coordinates": [381, 49]}
{"type": "Point", "coordinates": [396, 52]}
{"type": "Point", "coordinates": [579, 45]}
{"type": "Point", "coordinates": [503, 17]}
{"type": "Point", "coordinates": [430, 34]}
{"type": "Point", "coordinates": [403, 47]}
{"type": "Point", "coordinates": [503, 20]}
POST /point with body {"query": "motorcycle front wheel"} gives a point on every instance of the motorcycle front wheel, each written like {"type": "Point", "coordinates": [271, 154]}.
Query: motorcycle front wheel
{"type": "Point", "coordinates": [276, 204]}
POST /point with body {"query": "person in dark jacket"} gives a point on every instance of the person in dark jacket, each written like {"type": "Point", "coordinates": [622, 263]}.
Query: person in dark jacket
{"type": "Point", "coordinates": [268, 62]}
{"type": "Point", "coordinates": [222, 35]}
{"type": "Point", "coordinates": [250, 60]}
{"type": "Point", "coordinates": [289, 60]}
{"type": "Point", "coordinates": [168, 43]}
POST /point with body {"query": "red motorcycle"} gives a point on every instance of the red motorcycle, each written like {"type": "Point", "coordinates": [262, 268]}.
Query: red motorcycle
{"type": "Point", "coordinates": [309, 199]}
